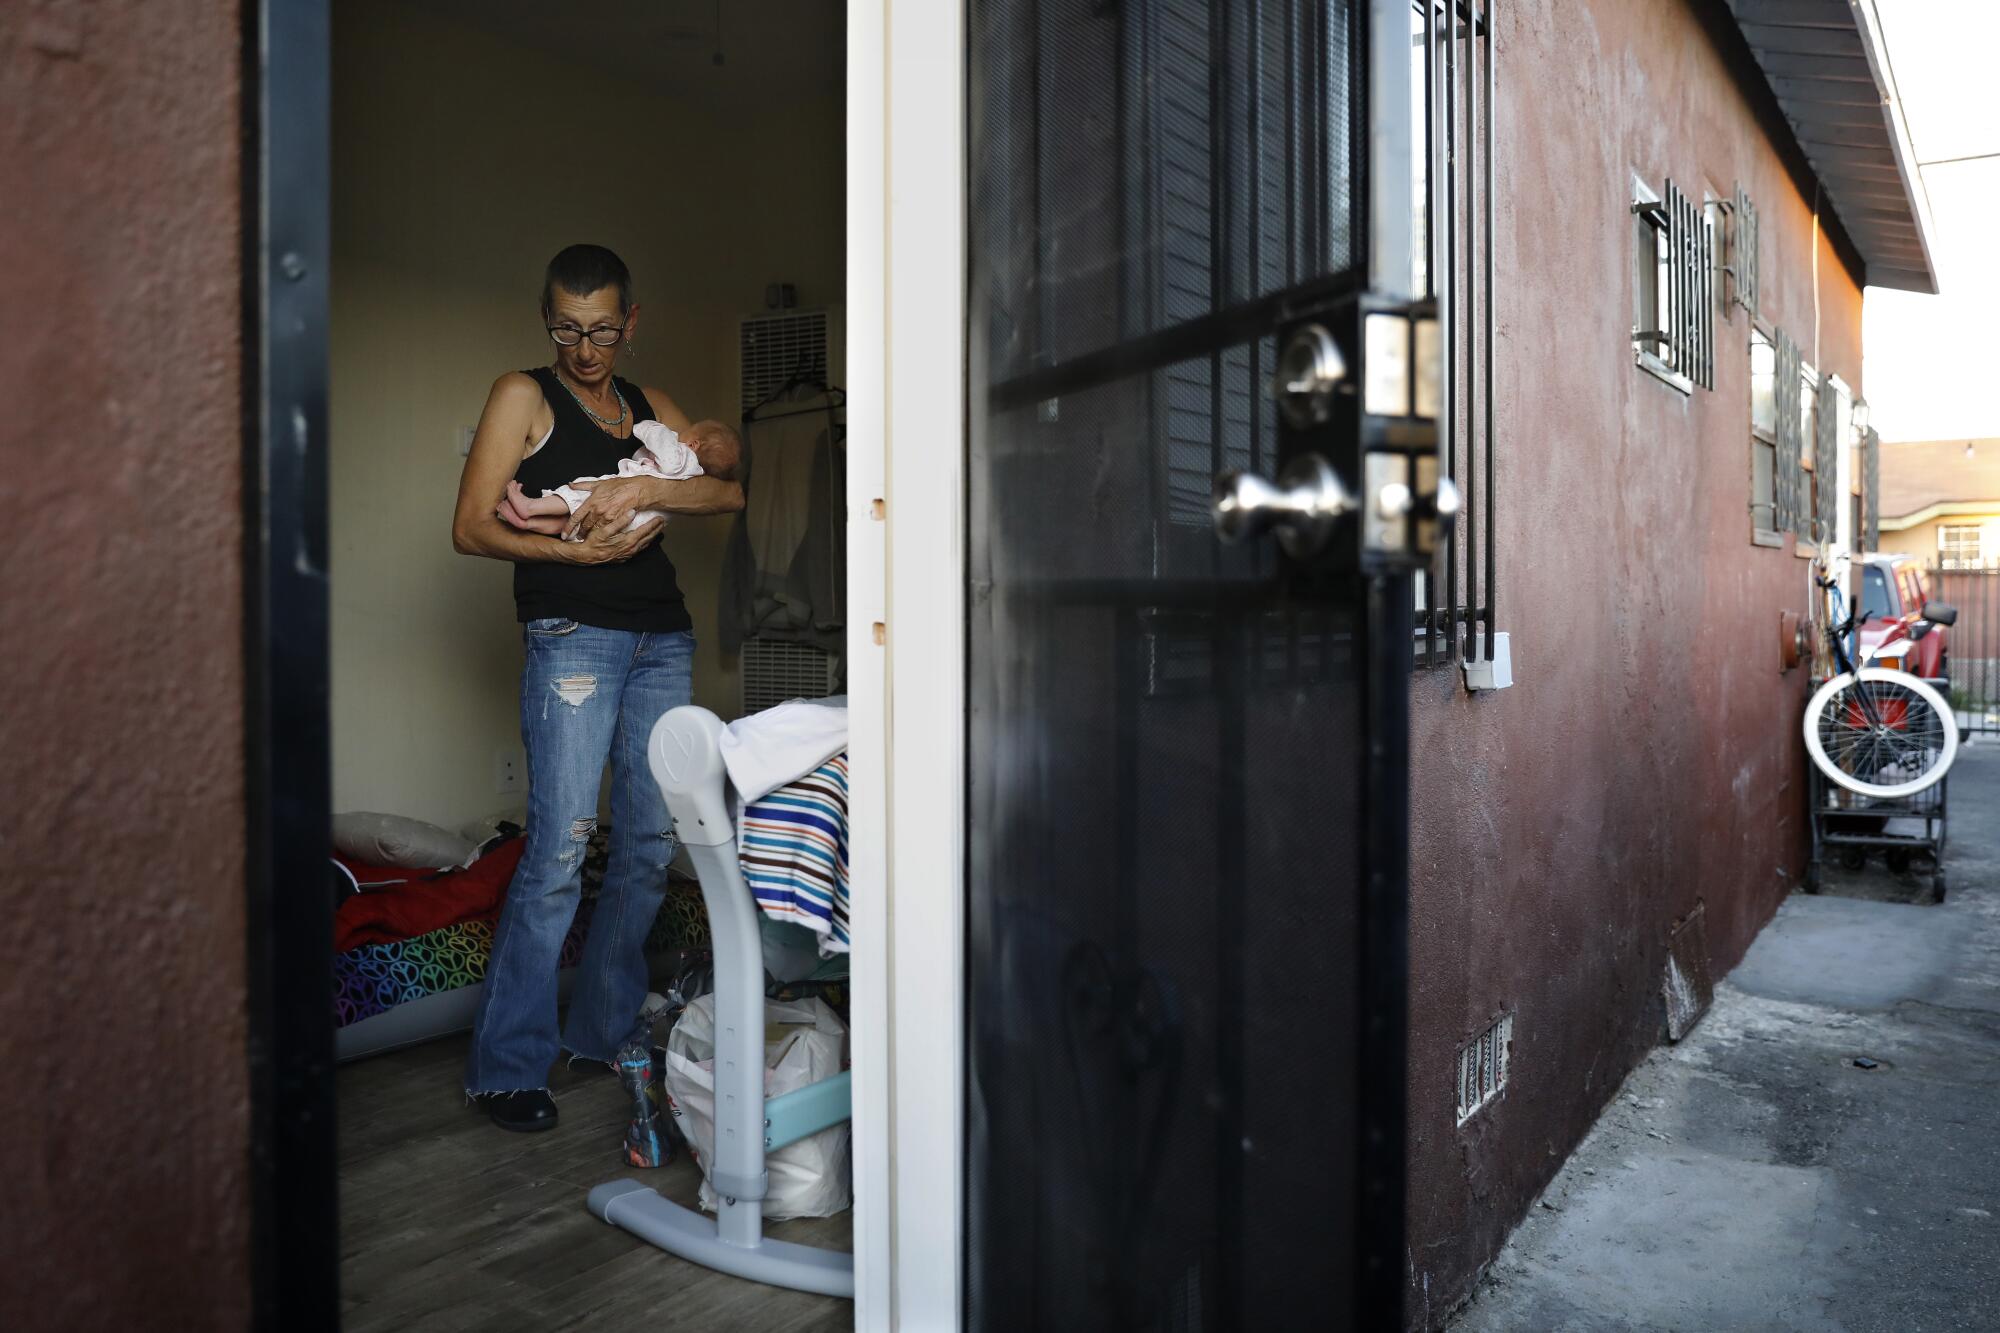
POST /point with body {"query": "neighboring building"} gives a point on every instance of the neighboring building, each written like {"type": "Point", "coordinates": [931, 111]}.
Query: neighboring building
{"type": "Point", "coordinates": [1115, 743]}
{"type": "Point", "coordinates": [1941, 501]}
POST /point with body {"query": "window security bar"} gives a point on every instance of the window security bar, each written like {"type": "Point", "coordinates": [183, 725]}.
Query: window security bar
{"type": "Point", "coordinates": [1826, 459]}
{"type": "Point", "coordinates": [1871, 490]}
{"type": "Point", "coordinates": [1742, 265]}
{"type": "Point", "coordinates": [1692, 308]}
{"type": "Point", "coordinates": [1452, 39]}
{"type": "Point", "coordinates": [1789, 474]}
{"type": "Point", "coordinates": [1721, 214]}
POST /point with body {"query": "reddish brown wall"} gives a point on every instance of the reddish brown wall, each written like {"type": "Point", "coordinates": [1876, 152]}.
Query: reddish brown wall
{"type": "Point", "coordinates": [123, 1109]}
{"type": "Point", "coordinates": [1645, 759]}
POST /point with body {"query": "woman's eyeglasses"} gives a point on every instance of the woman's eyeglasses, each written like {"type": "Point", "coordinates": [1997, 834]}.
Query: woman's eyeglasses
{"type": "Point", "coordinates": [569, 335]}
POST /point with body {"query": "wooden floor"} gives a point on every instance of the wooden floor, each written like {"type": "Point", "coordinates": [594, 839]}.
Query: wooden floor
{"type": "Point", "coordinates": [450, 1223]}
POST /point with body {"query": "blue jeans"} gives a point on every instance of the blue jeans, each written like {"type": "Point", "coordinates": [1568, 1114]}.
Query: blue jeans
{"type": "Point", "coordinates": [587, 694]}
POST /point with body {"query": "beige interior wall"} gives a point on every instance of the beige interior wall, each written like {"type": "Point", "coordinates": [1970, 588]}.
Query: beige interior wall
{"type": "Point", "coordinates": [462, 161]}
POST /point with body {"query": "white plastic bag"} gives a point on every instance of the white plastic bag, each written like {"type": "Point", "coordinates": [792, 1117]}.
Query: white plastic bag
{"type": "Point", "coordinates": [804, 1042]}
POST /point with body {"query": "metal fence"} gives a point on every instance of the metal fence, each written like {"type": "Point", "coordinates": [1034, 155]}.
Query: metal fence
{"type": "Point", "coordinates": [1972, 650]}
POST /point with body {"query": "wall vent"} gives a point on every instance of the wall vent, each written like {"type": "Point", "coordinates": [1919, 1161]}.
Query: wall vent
{"type": "Point", "coordinates": [774, 671]}
{"type": "Point", "coordinates": [1483, 1065]}
{"type": "Point", "coordinates": [778, 346]}
{"type": "Point", "coordinates": [1688, 987]}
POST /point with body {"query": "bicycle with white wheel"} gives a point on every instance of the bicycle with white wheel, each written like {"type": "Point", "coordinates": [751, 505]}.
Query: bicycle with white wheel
{"type": "Point", "coordinates": [1876, 731]}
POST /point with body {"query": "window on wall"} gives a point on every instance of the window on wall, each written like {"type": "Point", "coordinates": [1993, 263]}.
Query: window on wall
{"type": "Point", "coordinates": [1959, 546]}
{"type": "Point", "coordinates": [1673, 275]}
{"type": "Point", "coordinates": [1652, 287]}
{"type": "Point", "coordinates": [1766, 527]}
{"type": "Point", "coordinates": [1855, 441]}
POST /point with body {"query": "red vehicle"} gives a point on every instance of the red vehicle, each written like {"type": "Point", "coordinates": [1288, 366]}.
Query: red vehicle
{"type": "Point", "coordinates": [1894, 589]}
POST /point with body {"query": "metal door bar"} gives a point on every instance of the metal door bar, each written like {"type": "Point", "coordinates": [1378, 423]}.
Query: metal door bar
{"type": "Point", "coordinates": [289, 946]}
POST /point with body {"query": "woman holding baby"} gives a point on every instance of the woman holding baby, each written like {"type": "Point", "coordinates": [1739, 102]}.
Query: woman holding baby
{"type": "Point", "coordinates": [572, 474]}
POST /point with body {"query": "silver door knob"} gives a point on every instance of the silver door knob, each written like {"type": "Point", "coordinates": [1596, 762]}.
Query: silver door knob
{"type": "Point", "coordinates": [1300, 507]}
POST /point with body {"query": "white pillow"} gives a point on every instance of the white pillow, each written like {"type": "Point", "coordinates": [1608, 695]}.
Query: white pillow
{"type": "Point", "coordinates": [395, 840]}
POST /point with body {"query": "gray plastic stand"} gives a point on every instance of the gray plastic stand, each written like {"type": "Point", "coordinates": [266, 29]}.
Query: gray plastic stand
{"type": "Point", "coordinates": [687, 764]}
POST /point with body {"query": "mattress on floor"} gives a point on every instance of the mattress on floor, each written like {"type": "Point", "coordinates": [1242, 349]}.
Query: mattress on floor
{"type": "Point", "coordinates": [415, 989]}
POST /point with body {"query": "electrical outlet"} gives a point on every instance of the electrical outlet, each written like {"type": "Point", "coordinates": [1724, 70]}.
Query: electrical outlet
{"type": "Point", "coordinates": [506, 771]}
{"type": "Point", "coordinates": [462, 438]}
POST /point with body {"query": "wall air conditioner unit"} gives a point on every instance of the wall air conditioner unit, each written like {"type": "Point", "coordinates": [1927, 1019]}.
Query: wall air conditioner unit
{"type": "Point", "coordinates": [773, 346]}
{"type": "Point", "coordinates": [774, 671]}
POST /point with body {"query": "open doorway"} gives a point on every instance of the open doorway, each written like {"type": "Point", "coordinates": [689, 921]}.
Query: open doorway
{"type": "Point", "coordinates": [472, 140]}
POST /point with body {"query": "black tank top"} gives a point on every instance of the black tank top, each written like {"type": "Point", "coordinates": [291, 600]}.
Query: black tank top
{"type": "Point", "coordinates": [639, 594]}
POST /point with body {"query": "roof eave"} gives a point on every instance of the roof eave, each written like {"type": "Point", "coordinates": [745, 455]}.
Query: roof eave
{"type": "Point", "coordinates": [1827, 67]}
{"type": "Point", "coordinates": [1905, 276]}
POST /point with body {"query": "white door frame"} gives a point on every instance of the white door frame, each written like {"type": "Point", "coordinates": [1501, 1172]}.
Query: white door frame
{"type": "Point", "coordinates": [906, 652]}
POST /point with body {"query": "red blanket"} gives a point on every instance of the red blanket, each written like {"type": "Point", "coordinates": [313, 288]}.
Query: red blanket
{"type": "Point", "coordinates": [423, 900]}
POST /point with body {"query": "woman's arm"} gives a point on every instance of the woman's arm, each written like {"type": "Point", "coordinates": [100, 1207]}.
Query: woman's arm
{"type": "Point", "coordinates": [497, 448]}
{"type": "Point", "coordinates": [612, 502]}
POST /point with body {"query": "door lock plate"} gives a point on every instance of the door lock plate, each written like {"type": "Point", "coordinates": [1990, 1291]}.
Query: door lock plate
{"type": "Point", "coordinates": [1362, 486]}
{"type": "Point", "coordinates": [1408, 503]}
{"type": "Point", "coordinates": [1310, 372]}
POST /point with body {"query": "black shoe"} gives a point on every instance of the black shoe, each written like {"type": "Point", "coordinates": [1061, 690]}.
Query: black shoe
{"type": "Point", "coordinates": [523, 1112]}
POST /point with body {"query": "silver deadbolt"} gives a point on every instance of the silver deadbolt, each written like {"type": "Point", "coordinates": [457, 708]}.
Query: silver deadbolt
{"type": "Point", "coordinates": [1300, 507]}
{"type": "Point", "coordinates": [1310, 371]}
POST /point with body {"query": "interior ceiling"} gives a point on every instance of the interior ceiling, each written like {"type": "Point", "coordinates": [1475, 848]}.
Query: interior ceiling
{"type": "Point", "coordinates": [783, 47]}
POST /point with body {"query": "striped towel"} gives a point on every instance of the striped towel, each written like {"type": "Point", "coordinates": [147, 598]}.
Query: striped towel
{"type": "Point", "coordinates": [793, 845]}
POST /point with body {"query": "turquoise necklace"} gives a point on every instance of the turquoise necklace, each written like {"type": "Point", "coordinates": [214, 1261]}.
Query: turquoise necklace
{"type": "Point", "coordinates": [606, 422]}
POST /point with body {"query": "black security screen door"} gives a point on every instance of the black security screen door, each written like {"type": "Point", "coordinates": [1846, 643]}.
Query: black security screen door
{"type": "Point", "coordinates": [1188, 777]}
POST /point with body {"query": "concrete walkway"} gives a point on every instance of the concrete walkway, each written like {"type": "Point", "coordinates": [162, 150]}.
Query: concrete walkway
{"type": "Point", "coordinates": [1754, 1177]}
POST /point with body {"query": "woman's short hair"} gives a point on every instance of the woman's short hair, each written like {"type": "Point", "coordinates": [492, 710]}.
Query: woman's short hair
{"type": "Point", "coordinates": [583, 269]}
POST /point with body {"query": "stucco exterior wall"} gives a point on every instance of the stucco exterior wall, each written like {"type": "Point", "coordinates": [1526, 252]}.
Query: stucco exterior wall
{"type": "Point", "coordinates": [124, 1122]}
{"type": "Point", "coordinates": [1645, 760]}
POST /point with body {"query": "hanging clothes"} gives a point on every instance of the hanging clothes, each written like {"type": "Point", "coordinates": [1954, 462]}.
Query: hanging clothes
{"type": "Point", "coordinates": [785, 573]}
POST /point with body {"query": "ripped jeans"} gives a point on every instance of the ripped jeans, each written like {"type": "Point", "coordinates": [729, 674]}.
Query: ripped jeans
{"type": "Point", "coordinates": [587, 694]}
